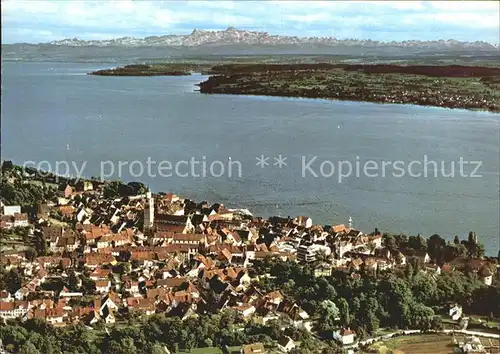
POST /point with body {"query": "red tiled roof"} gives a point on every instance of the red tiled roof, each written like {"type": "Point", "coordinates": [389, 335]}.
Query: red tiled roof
{"type": "Point", "coordinates": [188, 237]}
{"type": "Point", "coordinates": [339, 228]}
{"type": "Point", "coordinates": [346, 332]}
{"type": "Point", "coordinates": [99, 272]}
{"type": "Point", "coordinates": [98, 258]}
{"type": "Point", "coordinates": [66, 210]}
{"type": "Point", "coordinates": [102, 283]}
{"type": "Point", "coordinates": [7, 306]}
{"type": "Point", "coordinates": [177, 229]}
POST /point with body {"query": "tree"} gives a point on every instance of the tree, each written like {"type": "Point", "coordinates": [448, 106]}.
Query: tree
{"type": "Point", "coordinates": [330, 314]}
{"type": "Point", "coordinates": [479, 250]}
{"type": "Point", "coordinates": [135, 264]}
{"type": "Point", "coordinates": [456, 251]}
{"type": "Point", "coordinates": [370, 322]}
{"type": "Point", "coordinates": [157, 349]}
{"type": "Point", "coordinates": [112, 189]}
{"type": "Point", "coordinates": [88, 285]}
{"type": "Point", "coordinates": [456, 240]}
{"type": "Point", "coordinates": [12, 281]}
{"type": "Point", "coordinates": [343, 307]}
{"type": "Point", "coordinates": [333, 348]}
{"type": "Point", "coordinates": [485, 301]}
{"type": "Point", "coordinates": [73, 281]}
{"type": "Point", "coordinates": [398, 299]}
{"type": "Point", "coordinates": [44, 343]}
{"type": "Point", "coordinates": [136, 188]}
{"type": "Point", "coordinates": [30, 254]}
{"type": "Point", "coordinates": [323, 257]}
{"type": "Point", "coordinates": [40, 244]}
{"type": "Point", "coordinates": [28, 348]}
{"type": "Point", "coordinates": [409, 271]}
{"type": "Point", "coordinates": [76, 339]}
{"type": "Point", "coordinates": [13, 336]}
{"type": "Point", "coordinates": [437, 323]}
{"type": "Point", "coordinates": [389, 242]}
{"type": "Point", "coordinates": [123, 346]}
{"type": "Point", "coordinates": [23, 194]}
{"type": "Point", "coordinates": [122, 268]}
{"type": "Point", "coordinates": [7, 165]}
{"type": "Point", "coordinates": [420, 316]}
{"type": "Point", "coordinates": [474, 249]}
{"type": "Point", "coordinates": [402, 241]}
{"type": "Point", "coordinates": [324, 290]}
{"type": "Point", "coordinates": [417, 243]}
{"type": "Point", "coordinates": [424, 288]}
{"type": "Point", "coordinates": [435, 245]}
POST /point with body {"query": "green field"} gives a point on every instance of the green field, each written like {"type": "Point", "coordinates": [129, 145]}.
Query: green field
{"type": "Point", "coordinates": [423, 344]}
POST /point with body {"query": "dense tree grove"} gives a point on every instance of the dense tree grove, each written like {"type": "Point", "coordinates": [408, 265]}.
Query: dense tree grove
{"type": "Point", "coordinates": [148, 336]}
{"type": "Point", "coordinates": [438, 249]}
{"type": "Point", "coordinates": [25, 195]}
{"type": "Point", "coordinates": [37, 336]}
{"type": "Point", "coordinates": [119, 189]}
{"type": "Point", "coordinates": [15, 192]}
{"type": "Point", "coordinates": [383, 300]}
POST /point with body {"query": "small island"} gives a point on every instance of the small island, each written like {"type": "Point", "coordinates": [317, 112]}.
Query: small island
{"type": "Point", "coordinates": [452, 86]}
{"type": "Point", "coordinates": [151, 70]}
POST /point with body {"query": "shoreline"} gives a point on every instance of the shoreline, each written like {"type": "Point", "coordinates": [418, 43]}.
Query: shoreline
{"type": "Point", "coordinates": [255, 208]}
{"type": "Point", "coordinates": [329, 99]}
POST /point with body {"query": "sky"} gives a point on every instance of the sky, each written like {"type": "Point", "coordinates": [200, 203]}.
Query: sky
{"type": "Point", "coordinates": [37, 21]}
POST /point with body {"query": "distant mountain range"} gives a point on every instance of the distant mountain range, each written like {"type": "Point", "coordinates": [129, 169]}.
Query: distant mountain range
{"type": "Point", "coordinates": [233, 36]}
{"type": "Point", "coordinates": [216, 45]}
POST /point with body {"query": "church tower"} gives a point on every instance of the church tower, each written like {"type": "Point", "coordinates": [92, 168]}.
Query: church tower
{"type": "Point", "coordinates": [149, 210]}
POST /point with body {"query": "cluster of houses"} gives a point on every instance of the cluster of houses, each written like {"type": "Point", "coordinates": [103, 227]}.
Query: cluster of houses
{"type": "Point", "coordinates": [12, 217]}
{"type": "Point", "coordinates": [150, 254]}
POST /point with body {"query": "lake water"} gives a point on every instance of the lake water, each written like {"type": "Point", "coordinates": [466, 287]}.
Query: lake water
{"type": "Point", "coordinates": [54, 112]}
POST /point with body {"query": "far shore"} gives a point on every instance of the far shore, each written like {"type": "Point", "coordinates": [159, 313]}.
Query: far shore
{"type": "Point", "coordinates": [450, 86]}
